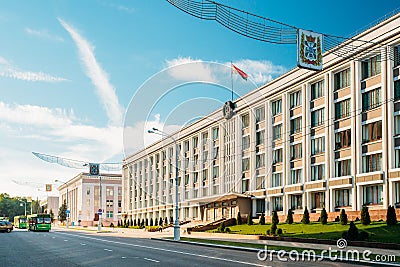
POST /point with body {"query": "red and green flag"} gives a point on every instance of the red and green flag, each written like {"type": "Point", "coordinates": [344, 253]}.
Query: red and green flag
{"type": "Point", "coordinates": [240, 72]}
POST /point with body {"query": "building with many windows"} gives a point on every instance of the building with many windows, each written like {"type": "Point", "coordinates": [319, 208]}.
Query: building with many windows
{"type": "Point", "coordinates": [306, 139]}
{"type": "Point", "coordinates": [84, 198]}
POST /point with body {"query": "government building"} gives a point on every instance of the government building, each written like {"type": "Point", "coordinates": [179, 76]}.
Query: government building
{"type": "Point", "coordinates": [317, 139]}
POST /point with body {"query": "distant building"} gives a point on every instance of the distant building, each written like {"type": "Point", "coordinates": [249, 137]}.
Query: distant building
{"type": "Point", "coordinates": [84, 198]}
{"type": "Point", "coordinates": [50, 204]}
{"type": "Point", "coordinates": [327, 139]}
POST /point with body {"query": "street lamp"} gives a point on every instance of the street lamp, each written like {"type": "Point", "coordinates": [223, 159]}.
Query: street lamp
{"type": "Point", "coordinates": [66, 200]}
{"type": "Point", "coordinates": [176, 223]}
{"type": "Point", "coordinates": [20, 204]}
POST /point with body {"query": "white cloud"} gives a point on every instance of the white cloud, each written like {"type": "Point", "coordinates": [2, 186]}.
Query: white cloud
{"type": "Point", "coordinates": [9, 71]}
{"type": "Point", "coordinates": [181, 70]}
{"type": "Point", "coordinates": [126, 9]}
{"type": "Point", "coordinates": [261, 71]}
{"type": "Point", "coordinates": [98, 76]}
{"type": "Point", "coordinates": [44, 34]}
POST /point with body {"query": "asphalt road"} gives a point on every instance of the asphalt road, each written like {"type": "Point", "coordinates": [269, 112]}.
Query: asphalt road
{"type": "Point", "coordinates": [73, 248]}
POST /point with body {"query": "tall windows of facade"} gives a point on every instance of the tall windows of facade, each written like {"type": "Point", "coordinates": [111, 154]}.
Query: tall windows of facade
{"type": "Point", "coordinates": [260, 114]}
{"type": "Point", "coordinates": [342, 79]}
{"type": "Point", "coordinates": [372, 163]}
{"type": "Point", "coordinates": [397, 90]}
{"type": "Point", "coordinates": [276, 179]}
{"type": "Point", "coordinates": [371, 67]}
{"type": "Point", "coordinates": [343, 139]}
{"type": "Point", "coordinates": [296, 202]}
{"type": "Point", "coordinates": [317, 117]}
{"type": "Point", "coordinates": [343, 198]}
{"type": "Point", "coordinates": [317, 145]}
{"type": "Point", "coordinates": [277, 131]}
{"type": "Point", "coordinates": [342, 109]}
{"type": "Point", "coordinates": [276, 107]}
{"type": "Point", "coordinates": [296, 151]}
{"type": "Point", "coordinates": [317, 90]}
{"type": "Point", "coordinates": [342, 167]}
{"type": "Point", "coordinates": [295, 99]}
{"type": "Point", "coordinates": [295, 125]}
{"type": "Point", "coordinates": [372, 132]}
{"type": "Point", "coordinates": [373, 195]}
{"type": "Point", "coordinates": [318, 172]}
{"type": "Point", "coordinates": [277, 203]}
{"type": "Point", "coordinates": [296, 176]}
{"type": "Point", "coordinates": [371, 99]}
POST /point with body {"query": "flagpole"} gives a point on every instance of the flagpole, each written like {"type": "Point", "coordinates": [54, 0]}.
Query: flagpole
{"type": "Point", "coordinates": [232, 80]}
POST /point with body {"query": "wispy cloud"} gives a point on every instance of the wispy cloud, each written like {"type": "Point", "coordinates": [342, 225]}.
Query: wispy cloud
{"type": "Point", "coordinates": [190, 72]}
{"type": "Point", "coordinates": [261, 71]}
{"type": "Point", "coordinates": [123, 8]}
{"type": "Point", "coordinates": [7, 70]}
{"type": "Point", "coordinates": [44, 34]}
{"type": "Point", "coordinates": [98, 76]}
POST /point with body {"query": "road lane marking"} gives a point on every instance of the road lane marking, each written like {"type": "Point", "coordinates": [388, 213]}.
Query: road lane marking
{"type": "Point", "coordinates": [65, 240]}
{"type": "Point", "coordinates": [167, 250]}
{"type": "Point", "coordinates": [106, 249]}
{"type": "Point", "coordinates": [82, 244]}
{"type": "Point", "coordinates": [147, 259]}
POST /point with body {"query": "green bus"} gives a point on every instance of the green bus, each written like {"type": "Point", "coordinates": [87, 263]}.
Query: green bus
{"type": "Point", "coordinates": [20, 222]}
{"type": "Point", "coordinates": [39, 222]}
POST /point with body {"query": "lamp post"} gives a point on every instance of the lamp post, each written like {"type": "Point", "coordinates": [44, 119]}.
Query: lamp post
{"type": "Point", "coordinates": [23, 202]}
{"type": "Point", "coordinates": [176, 223]}
{"type": "Point", "coordinates": [66, 200]}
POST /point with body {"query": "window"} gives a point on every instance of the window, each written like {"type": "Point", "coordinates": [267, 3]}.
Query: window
{"type": "Point", "coordinates": [318, 172]}
{"type": "Point", "coordinates": [276, 107]}
{"type": "Point", "coordinates": [342, 79]}
{"type": "Point", "coordinates": [109, 214]}
{"type": "Point", "coordinates": [109, 203]}
{"type": "Point", "coordinates": [295, 99]}
{"type": "Point", "coordinates": [215, 172]}
{"type": "Point", "coordinates": [245, 120]}
{"type": "Point", "coordinates": [119, 203]}
{"type": "Point", "coordinates": [342, 109]}
{"type": "Point", "coordinates": [372, 131]}
{"type": "Point", "coordinates": [371, 67]}
{"type": "Point", "coordinates": [260, 160]}
{"type": "Point", "coordinates": [371, 99]}
{"type": "Point", "coordinates": [215, 133]}
{"type": "Point", "coordinates": [260, 183]}
{"type": "Point", "coordinates": [296, 202]}
{"type": "Point", "coordinates": [260, 114]}
{"type": "Point", "coordinates": [372, 195]}
{"type": "Point", "coordinates": [119, 191]}
{"type": "Point", "coordinates": [296, 151]}
{"type": "Point", "coordinates": [215, 152]}
{"type": "Point", "coordinates": [318, 145]}
{"type": "Point", "coordinates": [295, 125]}
{"type": "Point", "coordinates": [245, 142]}
{"type": "Point", "coordinates": [277, 204]}
{"type": "Point", "coordinates": [397, 90]}
{"type": "Point", "coordinates": [277, 156]}
{"type": "Point", "coordinates": [277, 131]}
{"type": "Point", "coordinates": [295, 176]}
{"type": "Point", "coordinates": [260, 206]}
{"type": "Point", "coordinates": [343, 198]}
{"type": "Point", "coordinates": [195, 142]}
{"type": "Point", "coordinates": [317, 90]}
{"type": "Point", "coordinates": [343, 139]}
{"type": "Point", "coordinates": [260, 137]}
{"type": "Point", "coordinates": [276, 179]}
{"type": "Point", "coordinates": [372, 163]}
{"type": "Point", "coordinates": [317, 117]}
{"type": "Point", "coordinates": [245, 164]}
{"type": "Point", "coordinates": [317, 200]}
{"type": "Point", "coordinates": [343, 168]}
{"type": "Point", "coordinates": [397, 158]}
{"type": "Point", "coordinates": [245, 185]}
{"type": "Point", "coordinates": [396, 51]}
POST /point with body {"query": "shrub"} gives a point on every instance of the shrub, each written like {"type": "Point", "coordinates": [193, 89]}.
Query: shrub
{"type": "Point", "coordinates": [275, 218]}
{"type": "Point", "coordinates": [289, 218]}
{"type": "Point", "coordinates": [324, 216]}
{"type": "Point", "coordinates": [166, 221]}
{"type": "Point", "coordinates": [352, 233]}
{"type": "Point", "coordinates": [131, 222]}
{"type": "Point", "coordinates": [147, 222]}
{"type": "Point", "coordinates": [142, 223]}
{"type": "Point", "coordinates": [239, 218]}
{"type": "Point", "coordinates": [391, 216]}
{"type": "Point", "coordinates": [362, 235]}
{"type": "Point", "coordinates": [343, 217]}
{"type": "Point", "coordinates": [160, 223]}
{"type": "Point", "coordinates": [151, 221]}
{"type": "Point", "coordinates": [171, 220]}
{"type": "Point", "coordinates": [124, 222]}
{"type": "Point", "coordinates": [306, 217]}
{"type": "Point", "coordinates": [269, 232]}
{"type": "Point", "coordinates": [365, 218]}
{"type": "Point", "coordinates": [155, 222]}
{"type": "Point", "coordinates": [249, 219]}
{"type": "Point", "coordinates": [112, 225]}
{"type": "Point", "coordinates": [273, 229]}
{"type": "Point", "coordinates": [234, 221]}
{"type": "Point", "coordinates": [262, 219]}
{"type": "Point", "coordinates": [134, 222]}
{"type": "Point", "coordinates": [118, 224]}
{"type": "Point", "coordinates": [227, 230]}
{"type": "Point", "coordinates": [221, 228]}
{"type": "Point", "coordinates": [279, 231]}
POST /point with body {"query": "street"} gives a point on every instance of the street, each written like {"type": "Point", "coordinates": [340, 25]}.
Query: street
{"type": "Point", "coordinates": [74, 248]}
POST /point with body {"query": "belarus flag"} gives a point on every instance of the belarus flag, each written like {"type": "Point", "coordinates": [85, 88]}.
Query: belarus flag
{"type": "Point", "coordinates": [241, 73]}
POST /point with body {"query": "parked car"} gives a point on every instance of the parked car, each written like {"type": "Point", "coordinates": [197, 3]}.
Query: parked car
{"type": "Point", "coordinates": [6, 226]}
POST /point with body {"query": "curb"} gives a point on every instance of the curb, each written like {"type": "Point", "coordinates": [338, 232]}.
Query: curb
{"type": "Point", "coordinates": [360, 262]}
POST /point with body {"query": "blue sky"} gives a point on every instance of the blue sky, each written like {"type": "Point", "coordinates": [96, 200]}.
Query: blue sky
{"type": "Point", "coordinates": [69, 70]}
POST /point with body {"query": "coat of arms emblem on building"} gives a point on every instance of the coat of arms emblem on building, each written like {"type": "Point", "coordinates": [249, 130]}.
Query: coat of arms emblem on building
{"type": "Point", "coordinates": [309, 50]}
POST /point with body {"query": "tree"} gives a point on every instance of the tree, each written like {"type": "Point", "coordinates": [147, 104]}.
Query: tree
{"type": "Point", "coordinates": [62, 212]}
{"type": "Point", "coordinates": [343, 217]}
{"type": "Point", "coordinates": [151, 221]}
{"type": "Point", "coordinates": [160, 223]}
{"type": "Point", "coordinates": [275, 218]}
{"type": "Point", "coordinates": [147, 222]}
{"type": "Point", "coordinates": [249, 219]}
{"type": "Point", "coordinates": [324, 216]}
{"type": "Point", "coordinates": [306, 217]}
{"type": "Point", "coordinates": [166, 221]}
{"type": "Point", "coordinates": [262, 219]}
{"type": "Point", "coordinates": [155, 222]}
{"type": "Point", "coordinates": [239, 218]}
{"type": "Point", "coordinates": [51, 215]}
{"type": "Point", "coordinates": [289, 218]}
{"type": "Point", "coordinates": [391, 216]}
{"type": "Point", "coordinates": [171, 220]}
{"type": "Point", "coordinates": [352, 234]}
{"type": "Point", "coordinates": [365, 218]}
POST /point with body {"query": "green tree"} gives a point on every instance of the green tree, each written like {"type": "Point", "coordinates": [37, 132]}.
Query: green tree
{"type": "Point", "coordinates": [155, 222]}
{"type": "Point", "coordinates": [324, 216]}
{"type": "Point", "coordinates": [166, 221]}
{"type": "Point", "coordinates": [51, 215]}
{"type": "Point", "coordinates": [262, 219]}
{"type": "Point", "coordinates": [343, 217]}
{"type": "Point", "coordinates": [391, 218]}
{"type": "Point", "coordinates": [62, 212]}
{"type": "Point", "coordinates": [306, 217]}
{"type": "Point", "coordinates": [249, 219]}
{"type": "Point", "coordinates": [365, 218]}
{"type": "Point", "coordinates": [352, 234]}
{"type": "Point", "coordinates": [151, 221]}
{"type": "Point", "coordinates": [275, 218]}
{"type": "Point", "coordinates": [289, 218]}
{"type": "Point", "coordinates": [160, 223]}
{"type": "Point", "coordinates": [239, 218]}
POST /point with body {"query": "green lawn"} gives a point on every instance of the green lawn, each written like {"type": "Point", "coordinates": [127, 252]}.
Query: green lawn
{"type": "Point", "coordinates": [378, 231]}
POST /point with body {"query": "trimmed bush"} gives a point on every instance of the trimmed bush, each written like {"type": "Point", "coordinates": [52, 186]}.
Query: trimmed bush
{"type": "Point", "coordinates": [112, 225]}
{"type": "Point", "coordinates": [365, 218]}
{"type": "Point", "coordinates": [275, 218]}
{"type": "Point", "coordinates": [118, 225]}
{"type": "Point", "coordinates": [262, 219]}
{"type": "Point", "coordinates": [269, 232]}
{"type": "Point", "coordinates": [306, 217]}
{"type": "Point", "coordinates": [239, 218]}
{"type": "Point", "coordinates": [279, 231]}
{"type": "Point", "coordinates": [147, 222]}
{"type": "Point", "coordinates": [160, 223]}
{"type": "Point", "coordinates": [171, 220]}
{"type": "Point", "coordinates": [324, 216]}
{"type": "Point", "coordinates": [249, 219]}
{"type": "Point", "coordinates": [273, 229]}
{"type": "Point", "coordinates": [155, 222]}
{"type": "Point", "coordinates": [151, 221]}
{"type": "Point", "coordinates": [227, 230]}
{"type": "Point", "coordinates": [391, 218]}
{"type": "Point", "coordinates": [352, 233]}
{"type": "Point", "coordinates": [221, 228]}
{"type": "Point", "coordinates": [289, 218]}
{"type": "Point", "coordinates": [362, 235]}
{"type": "Point", "coordinates": [166, 221]}
{"type": "Point", "coordinates": [343, 217]}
